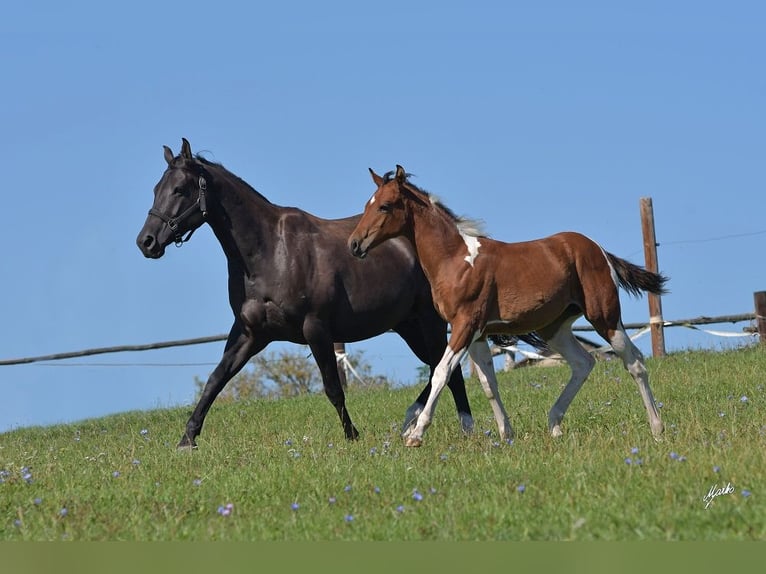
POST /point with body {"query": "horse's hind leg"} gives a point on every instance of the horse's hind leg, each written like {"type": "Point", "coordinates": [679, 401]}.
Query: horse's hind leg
{"type": "Point", "coordinates": [427, 338]}
{"type": "Point", "coordinates": [561, 339]}
{"type": "Point", "coordinates": [482, 358]}
{"type": "Point", "coordinates": [633, 360]}
{"type": "Point", "coordinates": [322, 348]}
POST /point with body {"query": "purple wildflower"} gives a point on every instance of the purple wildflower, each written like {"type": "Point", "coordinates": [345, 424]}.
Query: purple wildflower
{"type": "Point", "coordinates": [716, 469]}
{"type": "Point", "coordinates": [417, 496]}
{"type": "Point", "coordinates": [63, 512]}
{"type": "Point", "coordinates": [331, 500]}
{"type": "Point", "coordinates": [745, 492]}
{"type": "Point", "coordinates": [400, 508]}
{"type": "Point", "coordinates": [743, 399]}
{"type": "Point", "coordinates": [38, 501]}
{"type": "Point", "coordinates": [349, 518]}
{"type": "Point", "coordinates": [628, 460]}
{"type": "Point", "coordinates": [197, 481]}
{"type": "Point", "coordinates": [347, 488]}
{"type": "Point", "coordinates": [295, 506]}
{"type": "Point", "coordinates": [226, 510]}
{"type": "Point", "coordinates": [521, 488]}
{"type": "Point", "coordinates": [634, 450]}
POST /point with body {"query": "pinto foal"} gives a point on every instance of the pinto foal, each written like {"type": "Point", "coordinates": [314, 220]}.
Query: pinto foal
{"type": "Point", "coordinates": [484, 287]}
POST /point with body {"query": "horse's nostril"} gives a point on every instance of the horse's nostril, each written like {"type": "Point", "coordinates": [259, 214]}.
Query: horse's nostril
{"type": "Point", "coordinates": [148, 241]}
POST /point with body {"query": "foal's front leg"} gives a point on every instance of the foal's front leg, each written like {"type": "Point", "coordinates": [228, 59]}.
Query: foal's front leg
{"type": "Point", "coordinates": [449, 362]}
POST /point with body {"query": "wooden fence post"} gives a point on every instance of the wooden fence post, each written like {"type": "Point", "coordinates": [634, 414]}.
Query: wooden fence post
{"type": "Point", "coordinates": [760, 314]}
{"type": "Point", "coordinates": [650, 255]}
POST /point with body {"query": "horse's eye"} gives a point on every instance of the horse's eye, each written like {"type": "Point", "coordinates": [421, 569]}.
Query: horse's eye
{"type": "Point", "coordinates": [385, 208]}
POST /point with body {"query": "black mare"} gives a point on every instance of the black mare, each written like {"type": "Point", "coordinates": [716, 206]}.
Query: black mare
{"type": "Point", "coordinates": [292, 278]}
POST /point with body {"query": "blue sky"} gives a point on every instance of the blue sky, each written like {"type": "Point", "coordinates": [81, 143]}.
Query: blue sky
{"type": "Point", "coordinates": [535, 117]}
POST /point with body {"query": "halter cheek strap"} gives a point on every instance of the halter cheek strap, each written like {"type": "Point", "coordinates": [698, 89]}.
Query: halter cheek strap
{"type": "Point", "coordinates": [174, 222]}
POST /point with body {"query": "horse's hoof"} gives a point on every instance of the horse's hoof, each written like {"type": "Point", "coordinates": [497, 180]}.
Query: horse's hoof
{"type": "Point", "coordinates": [556, 432]}
{"type": "Point", "coordinates": [186, 448]}
{"type": "Point", "coordinates": [413, 442]}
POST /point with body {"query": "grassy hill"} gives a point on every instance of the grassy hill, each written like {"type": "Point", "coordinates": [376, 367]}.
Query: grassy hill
{"type": "Point", "coordinates": [280, 470]}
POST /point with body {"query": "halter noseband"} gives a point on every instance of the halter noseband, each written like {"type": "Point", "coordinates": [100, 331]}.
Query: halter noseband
{"type": "Point", "coordinates": [174, 222]}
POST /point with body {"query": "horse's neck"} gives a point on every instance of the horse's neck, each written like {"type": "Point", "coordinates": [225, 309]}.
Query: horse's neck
{"type": "Point", "coordinates": [243, 221]}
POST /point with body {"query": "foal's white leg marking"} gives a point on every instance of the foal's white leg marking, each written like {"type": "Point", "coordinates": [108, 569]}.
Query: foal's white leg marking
{"type": "Point", "coordinates": [449, 361]}
{"type": "Point", "coordinates": [482, 358]}
{"type": "Point", "coordinates": [633, 360]}
{"type": "Point", "coordinates": [580, 362]}
{"type": "Point", "coordinates": [410, 417]}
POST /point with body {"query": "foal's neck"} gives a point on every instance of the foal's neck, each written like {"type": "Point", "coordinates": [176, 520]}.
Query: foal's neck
{"type": "Point", "coordinates": [437, 241]}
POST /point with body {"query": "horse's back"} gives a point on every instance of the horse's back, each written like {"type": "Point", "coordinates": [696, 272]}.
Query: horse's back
{"type": "Point", "coordinates": [359, 298]}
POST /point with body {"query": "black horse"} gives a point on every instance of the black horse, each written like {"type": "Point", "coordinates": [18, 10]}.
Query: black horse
{"type": "Point", "coordinates": [292, 278]}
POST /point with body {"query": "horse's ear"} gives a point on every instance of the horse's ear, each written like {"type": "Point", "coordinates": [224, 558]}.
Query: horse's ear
{"type": "Point", "coordinates": [379, 181]}
{"type": "Point", "coordinates": [186, 152]}
{"type": "Point", "coordinates": [401, 175]}
{"type": "Point", "coordinates": [168, 154]}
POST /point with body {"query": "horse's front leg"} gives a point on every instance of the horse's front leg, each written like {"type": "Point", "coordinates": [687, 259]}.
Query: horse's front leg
{"type": "Point", "coordinates": [238, 350]}
{"type": "Point", "coordinates": [321, 345]}
{"type": "Point", "coordinates": [453, 354]}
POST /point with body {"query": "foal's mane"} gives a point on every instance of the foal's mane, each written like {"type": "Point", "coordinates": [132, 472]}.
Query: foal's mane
{"type": "Point", "coordinates": [465, 225]}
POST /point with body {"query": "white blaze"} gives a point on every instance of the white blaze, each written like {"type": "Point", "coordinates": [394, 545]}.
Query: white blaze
{"type": "Point", "coordinates": [372, 199]}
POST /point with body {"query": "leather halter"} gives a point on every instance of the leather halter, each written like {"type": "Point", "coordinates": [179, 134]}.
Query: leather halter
{"type": "Point", "coordinates": [174, 222]}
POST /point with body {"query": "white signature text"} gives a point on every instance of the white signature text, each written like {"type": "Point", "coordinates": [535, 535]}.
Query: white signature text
{"type": "Point", "coordinates": [716, 492]}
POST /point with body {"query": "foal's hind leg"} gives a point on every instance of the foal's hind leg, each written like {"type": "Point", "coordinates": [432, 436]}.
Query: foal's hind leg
{"type": "Point", "coordinates": [482, 358]}
{"type": "Point", "coordinates": [561, 339]}
{"type": "Point", "coordinates": [633, 360]}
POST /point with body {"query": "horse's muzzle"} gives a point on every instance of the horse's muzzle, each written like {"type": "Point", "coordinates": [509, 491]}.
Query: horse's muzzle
{"type": "Point", "coordinates": [356, 249]}
{"type": "Point", "coordinates": [149, 246]}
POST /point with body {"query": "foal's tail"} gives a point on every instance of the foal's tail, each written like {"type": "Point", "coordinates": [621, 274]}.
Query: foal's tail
{"type": "Point", "coordinates": [635, 279]}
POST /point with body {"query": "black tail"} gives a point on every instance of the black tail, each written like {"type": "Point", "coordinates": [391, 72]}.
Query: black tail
{"type": "Point", "coordinates": [531, 339]}
{"type": "Point", "coordinates": [635, 279]}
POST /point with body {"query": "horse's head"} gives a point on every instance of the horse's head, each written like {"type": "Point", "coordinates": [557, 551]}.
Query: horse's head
{"type": "Point", "coordinates": [179, 204]}
{"type": "Point", "coordinates": [386, 215]}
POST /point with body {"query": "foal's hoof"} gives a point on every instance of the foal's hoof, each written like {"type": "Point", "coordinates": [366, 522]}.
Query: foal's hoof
{"type": "Point", "coordinates": [413, 442]}
{"type": "Point", "coordinates": [556, 432]}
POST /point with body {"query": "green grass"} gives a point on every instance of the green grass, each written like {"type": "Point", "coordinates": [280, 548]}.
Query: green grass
{"type": "Point", "coordinates": [265, 456]}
